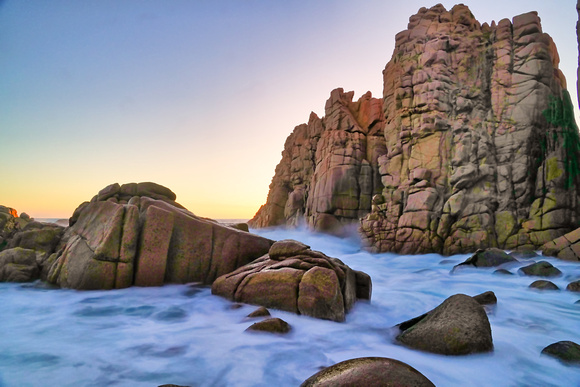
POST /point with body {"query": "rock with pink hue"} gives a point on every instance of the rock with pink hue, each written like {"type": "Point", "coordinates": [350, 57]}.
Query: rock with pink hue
{"type": "Point", "coordinates": [329, 168]}
{"type": "Point", "coordinates": [136, 234]}
{"type": "Point", "coordinates": [296, 279]}
{"type": "Point", "coordinates": [477, 125]}
{"type": "Point", "coordinates": [474, 145]}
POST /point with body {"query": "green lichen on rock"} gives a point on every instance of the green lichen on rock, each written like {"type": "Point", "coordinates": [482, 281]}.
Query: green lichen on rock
{"type": "Point", "coordinates": [560, 114]}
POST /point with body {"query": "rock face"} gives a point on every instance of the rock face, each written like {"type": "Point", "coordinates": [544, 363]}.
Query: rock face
{"type": "Point", "coordinates": [478, 122]}
{"type": "Point", "coordinates": [296, 279]}
{"type": "Point", "coordinates": [136, 234]}
{"type": "Point", "coordinates": [475, 144]}
{"type": "Point", "coordinates": [369, 371]}
{"type": "Point", "coordinates": [329, 168]}
{"type": "Point", "coordinates": [566, 247]}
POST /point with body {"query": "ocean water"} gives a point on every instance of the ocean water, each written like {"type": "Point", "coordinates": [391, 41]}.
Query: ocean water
{"type": "Point", "coordinates": [182, 334]}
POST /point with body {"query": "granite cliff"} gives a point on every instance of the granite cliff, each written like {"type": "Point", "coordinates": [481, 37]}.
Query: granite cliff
{"type": "Point", "coordinates": [473, 145]}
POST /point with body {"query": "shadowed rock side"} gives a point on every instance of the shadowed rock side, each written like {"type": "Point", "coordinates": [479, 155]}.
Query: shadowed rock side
{"type": "Point", "coordinates": [482, 144]}
{"type": "Point", "coordinates": [329, 169]}
{"type": "Point", "coordinates": [296, 279]}
{"type": "Point", "coordinates": [136, 234]}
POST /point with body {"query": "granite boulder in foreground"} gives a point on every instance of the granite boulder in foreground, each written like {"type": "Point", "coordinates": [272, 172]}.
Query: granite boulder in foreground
{"type": "Point", "coordinates": [294, 278]}
{"type": "Point", "coordinates": [459, 326]}
{"type": "Point", "coordinates": [136, 234]}
{"type": "Point", "coordinates": [369, 371]}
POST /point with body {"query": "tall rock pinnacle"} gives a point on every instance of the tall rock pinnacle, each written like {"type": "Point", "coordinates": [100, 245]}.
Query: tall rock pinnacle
{"type": "Point", "coordinates": [480, 145]}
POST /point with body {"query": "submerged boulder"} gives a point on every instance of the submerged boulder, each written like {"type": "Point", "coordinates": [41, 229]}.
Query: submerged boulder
{"type": "Point", "coordinates": [541, 269]}
{"type": "Point", "coordinates": [491, 257]}
{"type": "Point", "coordinates": [136, 234]}
{"type": "Point", "coordinates": [369, 371]}
{"type": "Point", "coordinates": [296, 279]}
{"type": "Point", "coordinates": [567, 352]}
{"type": "Point", "coordinates": [459, 326]}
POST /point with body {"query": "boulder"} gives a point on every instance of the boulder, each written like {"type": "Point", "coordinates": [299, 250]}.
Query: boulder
{"type": "Point", "coordinates": [567, 352]}
{"type": "Point", "coordinates": [544, 285]}
{"type": "Point", "coordinates": [491, 257]}
{"type": "Point", "coordinates": [369, 371]}
{"type": "Point", "coordinates": [541, 269]}
{"type": "Point", "coordinates": [574, 286]}
{"type": "Point", "coordinates": [18, 265]}
{"type": "Point", "coordinates": [296, 279]}
{"type": "Point", "coordinates": [271, 325]}
{"type": "Point", "coordinates": [260, 312]}
{"type": "Point", "coordinates": [146, 241]}
{"type": "Point", "coordinates": [459, 326]}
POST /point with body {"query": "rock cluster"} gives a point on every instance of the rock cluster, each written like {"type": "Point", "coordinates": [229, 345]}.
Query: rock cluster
{"type": "Point", "coordinates": [136, 234]}
{"type": "Point", "coordinates": [294, 278]}
{"type": "Point", "coordinates": [474, 142]}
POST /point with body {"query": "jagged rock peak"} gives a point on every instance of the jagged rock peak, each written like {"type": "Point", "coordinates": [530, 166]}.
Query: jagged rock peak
{"type": "Point", "coordinates": [329, 171]}
{"type": "Point", "coordinates": [481, 139]}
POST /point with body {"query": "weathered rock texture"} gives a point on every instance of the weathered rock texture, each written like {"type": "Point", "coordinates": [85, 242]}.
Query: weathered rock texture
{"type": "Point", "coordinates": [136, 234]}
{"type": "Point", "coordinates": [296, 279]}
{"type": "Point", "coordinates": [480, 144]}
{"type": "Point", "coordinates": [477, 126]}
{"type": "Point", "coordinates": [459, 326]}
{"type": "Point", "coordinates": [329, 169]}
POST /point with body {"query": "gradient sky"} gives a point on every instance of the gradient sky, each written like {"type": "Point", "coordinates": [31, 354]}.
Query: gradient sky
{"type": "Point", "coordinates": [195, 95]}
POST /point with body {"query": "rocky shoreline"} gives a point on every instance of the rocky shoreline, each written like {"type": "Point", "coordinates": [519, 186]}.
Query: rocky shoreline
{"type": "Point", "coordinates": [473, 148]}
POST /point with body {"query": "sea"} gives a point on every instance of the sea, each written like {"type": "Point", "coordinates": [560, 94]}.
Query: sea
{"type": "Point", "coordinates": [184, 335]}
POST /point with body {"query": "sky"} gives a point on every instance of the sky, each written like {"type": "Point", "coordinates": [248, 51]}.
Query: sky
{"type": "Point", "coordinates": [196, 95]}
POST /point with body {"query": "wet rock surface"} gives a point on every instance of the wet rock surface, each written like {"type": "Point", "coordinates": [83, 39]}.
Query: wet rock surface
{"type": "Point", "coordinates": [459, 326]}
{"type": "Point", "coordinates": [567, 352]}
{"type": "Point", "coordinates": [541, 269]}
{"type": "Point", "coordinates": [369, 371]}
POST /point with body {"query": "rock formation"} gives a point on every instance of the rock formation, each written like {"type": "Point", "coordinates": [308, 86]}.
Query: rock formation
{"type": "Point", "coordinates": [136, 234]}
{"type": "Point", "coordinates": [296, 279]}
{"type": "Point", "coordinates": [480, 145]}
{"type": "Point", "coordinates": [329, 168]}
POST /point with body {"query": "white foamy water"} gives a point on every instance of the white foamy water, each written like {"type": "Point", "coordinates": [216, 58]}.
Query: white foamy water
{"type": "Point", "coordinates": [183, 335]}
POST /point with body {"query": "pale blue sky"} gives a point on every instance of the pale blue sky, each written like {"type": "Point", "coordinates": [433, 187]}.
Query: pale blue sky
{"type": "Point", "coordinates": [195, 95]}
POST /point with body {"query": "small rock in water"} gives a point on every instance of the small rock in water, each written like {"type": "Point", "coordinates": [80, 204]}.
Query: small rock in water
{"type": "Point", "coordinates": [486, 298]}
{"type": "Point", "coordinates": [487, 258]}
{"type": "Point", "coordinates": [574, 286]}
{"type": "Point", "coordinates": [272, 325]}
{"type": "Point", "coordinates": [503, 272]}
{"type": "Point", "coordinates": [541, 269]}
{"type": "Point", "coordinates": [260, 312]}
{"type": "Point", "coordinates": [566, 351]}
{"type": "Point", "coordinates": [369, 371]}
{"type": "Point", "coordinates": [544, 285]}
